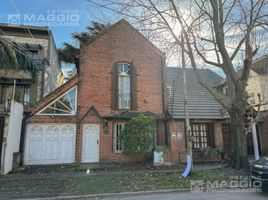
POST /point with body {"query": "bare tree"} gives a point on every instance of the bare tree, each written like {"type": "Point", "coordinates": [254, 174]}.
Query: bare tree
{"type": "Point", "coordinates": [217, 34]}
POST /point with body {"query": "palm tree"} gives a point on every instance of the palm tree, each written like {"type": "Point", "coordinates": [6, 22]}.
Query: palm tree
{"type": "Point", "coordinates": [8, 58]}
{"type": "Point", "coordinates": [13, 56]}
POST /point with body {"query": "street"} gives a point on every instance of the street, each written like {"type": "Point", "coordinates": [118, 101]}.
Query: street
{"type": "Point", "coordinates": [191, 196]}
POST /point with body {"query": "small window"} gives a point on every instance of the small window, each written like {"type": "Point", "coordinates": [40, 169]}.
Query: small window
{"type": "Point", "coordinates": [117, 143]}
{"type": "Point", "coordinates": [65, 105]}
{"type": "Point", "coordinates": [33, 54]}
{"type": "Point", "coordinates": [26, 99]}
{"type": "Point", "coordinates": [201, 134]}
{"type": "Point", "coordinates": [123, 86]}
{"type": "Point", "coordinates": [21, 93]}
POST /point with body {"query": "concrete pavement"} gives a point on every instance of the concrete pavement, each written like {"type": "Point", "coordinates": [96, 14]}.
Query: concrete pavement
{"type": "Point", "coordinates": [197, 196]}
{"type": "Point", "coordinates": [172, 196]}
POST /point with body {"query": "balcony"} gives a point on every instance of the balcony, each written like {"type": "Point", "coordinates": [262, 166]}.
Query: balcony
{"type": "Point", "coordinates": [8, 75]}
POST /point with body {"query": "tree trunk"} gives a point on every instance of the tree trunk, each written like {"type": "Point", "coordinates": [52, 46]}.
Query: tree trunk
{"type": "Point", "coordinates": [239, 156]}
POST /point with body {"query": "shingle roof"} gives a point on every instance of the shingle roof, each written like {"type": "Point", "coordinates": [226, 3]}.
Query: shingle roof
{"type": "Point", "coordinates": [202, 105]}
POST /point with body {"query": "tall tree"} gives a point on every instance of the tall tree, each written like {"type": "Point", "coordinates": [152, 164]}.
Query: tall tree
{"type": "Point", "coordinates": [217, 34]}
{"type": "Point", "coordinates": [70, 53]}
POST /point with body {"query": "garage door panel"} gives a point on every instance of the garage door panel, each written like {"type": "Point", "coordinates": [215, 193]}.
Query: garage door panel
{"type": "Point", "coordinates": [50, 144]}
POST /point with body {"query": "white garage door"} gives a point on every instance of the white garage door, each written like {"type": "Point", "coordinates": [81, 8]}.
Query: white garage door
{"type": "Point", "coordinates": [50, 144]}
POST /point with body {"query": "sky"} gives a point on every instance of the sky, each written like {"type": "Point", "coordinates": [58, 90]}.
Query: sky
{"type": "Point", "coordinates": [77, 14]}
{"type": "Point", "coordinates": [43, 12]}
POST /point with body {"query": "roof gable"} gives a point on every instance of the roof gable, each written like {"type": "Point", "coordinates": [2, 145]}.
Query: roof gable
{"type": "Point", "coordinates": [124, 22]}
{"type": "Point", "coordinates": [92, 111]}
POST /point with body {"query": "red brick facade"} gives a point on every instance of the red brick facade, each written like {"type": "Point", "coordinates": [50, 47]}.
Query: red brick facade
{"type": "Point", "coordinates": [119, 43]}
{"type": "Point", "coordinates": [177, 139]}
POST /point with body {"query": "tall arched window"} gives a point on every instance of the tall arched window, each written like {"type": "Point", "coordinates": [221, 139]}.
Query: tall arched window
{"type": "Point", "coordinates": [124, 86]}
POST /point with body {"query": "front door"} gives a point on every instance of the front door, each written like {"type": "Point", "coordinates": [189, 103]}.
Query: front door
{"type": "Point", "coordinates": [1, 135]}
{"type": "Point", "coordinates": [91, 136]}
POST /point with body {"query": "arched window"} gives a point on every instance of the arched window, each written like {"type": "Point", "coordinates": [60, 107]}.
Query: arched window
{"type": "Point", "coordinates": [124, 86]}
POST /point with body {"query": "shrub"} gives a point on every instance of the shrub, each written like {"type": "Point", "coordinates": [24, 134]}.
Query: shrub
{"type": "Point", "coordinates": [138, 136]}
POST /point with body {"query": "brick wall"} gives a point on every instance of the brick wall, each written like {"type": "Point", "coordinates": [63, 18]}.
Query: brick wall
{"type": "Point", "coordinates": [177, 140]}
{"type": "Point", "coordinates": [120, 43]}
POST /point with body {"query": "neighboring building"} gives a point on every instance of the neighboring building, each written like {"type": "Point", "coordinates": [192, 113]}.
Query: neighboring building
{"type": "Point", "coordinates": [258, 84]}
{"type": "Point", "coordinates": [25, 85]}
{"type": "Point", "coordinates": [206, 118]}
{"type": "Point", "coordinates": [120, 76]}
{"type": "Point", "coordinates": [39, 43]}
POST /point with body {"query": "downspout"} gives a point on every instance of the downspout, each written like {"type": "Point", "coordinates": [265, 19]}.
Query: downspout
{"type": "Point", "coordinates": [163, 65]}
{"type": "Point", "coordinates": [22, 135]}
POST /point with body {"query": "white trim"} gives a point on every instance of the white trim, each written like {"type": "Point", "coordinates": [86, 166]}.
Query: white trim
{"type": "Point", "coordinates": [61, 114]}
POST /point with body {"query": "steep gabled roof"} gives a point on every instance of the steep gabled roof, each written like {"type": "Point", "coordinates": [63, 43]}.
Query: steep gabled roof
{"type": "Point", "coordinates": [92, 111]}
{"type": "Point", "coordinates": [55, 94]}
{"type": "Point", "coordinates": [202, 105]}
{"type": "Point", "coordinates": [126, 23]}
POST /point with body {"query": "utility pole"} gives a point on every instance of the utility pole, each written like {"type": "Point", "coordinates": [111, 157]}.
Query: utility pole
{"type": "Point", "coordinates": [187, 119]}
{"type": "Point", "coordinates": [254, 133]}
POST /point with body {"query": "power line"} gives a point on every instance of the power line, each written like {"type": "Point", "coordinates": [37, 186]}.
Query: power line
{"type": "Point", "coordinates": [19, 12]}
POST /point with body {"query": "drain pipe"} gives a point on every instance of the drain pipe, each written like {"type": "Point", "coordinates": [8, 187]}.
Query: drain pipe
{"type": "Point", "coordinates": [163, 64]}
{"type": "Point", "coordinates": [22, 135]}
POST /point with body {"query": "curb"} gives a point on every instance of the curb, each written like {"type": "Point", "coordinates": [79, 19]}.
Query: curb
{"type": "Point", "coordinates": [122, 194]}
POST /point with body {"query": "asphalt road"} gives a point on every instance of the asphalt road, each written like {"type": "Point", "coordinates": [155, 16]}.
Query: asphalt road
{"type": "Point", "coordinates": [192, 196]}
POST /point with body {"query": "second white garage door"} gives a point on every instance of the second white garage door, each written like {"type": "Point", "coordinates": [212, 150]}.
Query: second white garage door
{"type": "Point", "coordinates": [50, 144]}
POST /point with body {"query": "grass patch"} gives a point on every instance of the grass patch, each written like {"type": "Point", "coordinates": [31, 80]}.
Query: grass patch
{"type": "Point", "coordinates": [136, 182]}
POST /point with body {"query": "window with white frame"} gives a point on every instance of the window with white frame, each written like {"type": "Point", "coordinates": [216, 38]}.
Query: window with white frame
{"type": "Point", "coordinates": [123, 86]}
{"type": "Point", "coordinates": [117, 143]}
{"type": "Point", "coordinates": [65, 105]}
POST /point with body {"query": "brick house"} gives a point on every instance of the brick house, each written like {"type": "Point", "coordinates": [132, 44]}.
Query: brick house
{"type": "Point", "coordinates": [120, 76]}
{"type": "Point", "coordinates": [206, 118]}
